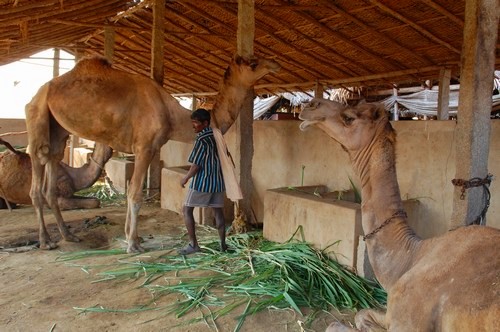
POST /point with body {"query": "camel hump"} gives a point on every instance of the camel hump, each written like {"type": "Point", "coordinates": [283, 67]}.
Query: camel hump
{"type": "Point", "coordinates": [92, 64]}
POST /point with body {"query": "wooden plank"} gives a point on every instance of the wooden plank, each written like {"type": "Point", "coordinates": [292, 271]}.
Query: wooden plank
{"type": "Point", "coordinates": [444, 94]}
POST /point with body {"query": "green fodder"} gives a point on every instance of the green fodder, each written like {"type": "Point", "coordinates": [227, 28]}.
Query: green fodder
{"type": "Point", "coordinates": [255, 273]}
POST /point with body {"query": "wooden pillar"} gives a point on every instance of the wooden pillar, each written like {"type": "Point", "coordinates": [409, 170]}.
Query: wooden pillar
{"type": "Point", "coordinates": [318, 90]}
{"type": "Point", "coordinates": [157, 73]}
{"type": "Point", "coordinates": [109, 43]}
{"type": "Point", "coordinates": [55, 67]}
{"type": "Point", "coordinates": [444, 94]}
{"type": "Point", "coordinates": [473, 125]}
{"type": "Point", "coordinates": [395, 115]}
{"type": "Point", "coordinates": [244, 123]}
{"type": "Point", "coordinates": [194, 104]}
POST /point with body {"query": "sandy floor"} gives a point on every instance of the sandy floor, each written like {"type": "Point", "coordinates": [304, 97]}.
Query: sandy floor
{"type": "Point", "coordinates": [40, 293]}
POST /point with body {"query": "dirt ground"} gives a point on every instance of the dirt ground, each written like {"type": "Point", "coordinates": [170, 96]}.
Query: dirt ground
{"type": "Point", "coordinates": [38, 292]}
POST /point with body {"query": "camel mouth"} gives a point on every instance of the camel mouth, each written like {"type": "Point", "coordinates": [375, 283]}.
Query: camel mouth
{"type": "Point", "coordinates": [307, 123]}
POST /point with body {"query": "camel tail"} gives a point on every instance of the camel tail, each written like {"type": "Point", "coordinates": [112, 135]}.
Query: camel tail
{"type": "Point", "coordinates": [38, 125]}
{"type": "Point", "coordinates": [8, 146]}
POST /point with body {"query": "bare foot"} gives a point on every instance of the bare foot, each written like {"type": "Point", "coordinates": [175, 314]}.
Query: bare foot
{"type": "Point", "coordinates": [189, 249]}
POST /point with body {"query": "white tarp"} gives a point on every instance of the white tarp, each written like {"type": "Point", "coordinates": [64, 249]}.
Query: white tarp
{"type": "Point", "coordinates": [262, 105]}
{"type": "Point", "coordinates": [425, 102]}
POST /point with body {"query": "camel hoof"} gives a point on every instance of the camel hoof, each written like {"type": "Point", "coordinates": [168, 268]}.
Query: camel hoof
{"type": "Point", "coordinates": [71, 238]}
{"type": "Point", "coordinates": [337, 327]}
{"type": "Point", "coordinates": [134, 247]}
{"type": "Point", "coordinates": [48, 245]}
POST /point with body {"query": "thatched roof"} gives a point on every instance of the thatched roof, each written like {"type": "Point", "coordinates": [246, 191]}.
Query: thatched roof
{"type": "Point", "coordinates": [372, 43]}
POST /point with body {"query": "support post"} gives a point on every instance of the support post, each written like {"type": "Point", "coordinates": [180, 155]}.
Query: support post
{"type": "Point", "coordinates": [395, 115]}
{"type": "Point", "coordinates": [109, 43]}
{"type": "Point", "coordinates": [444, 94]}
{"type": "Point", "coordinates": [244, 122]}
{"type": "Point", "coordinates": [474, 108]}
{"type": "Point", "coordinates": [318, 90]}
{"type": "Point", "coordinates": [157, 73]}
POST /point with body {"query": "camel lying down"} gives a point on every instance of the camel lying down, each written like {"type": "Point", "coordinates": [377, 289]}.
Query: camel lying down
{"type": "Point", "coordinates": [15, 178]}
{"type": "Point", "coordinates": [447, 283]}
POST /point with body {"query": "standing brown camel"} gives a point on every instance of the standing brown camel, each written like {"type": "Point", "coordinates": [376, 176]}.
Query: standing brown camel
{"type": "Point", "coordinates": [130, 113]}
{"type": "Point", "coordinates": [446, 283]}
{"type": "Point", "coordinates": [15, 178]}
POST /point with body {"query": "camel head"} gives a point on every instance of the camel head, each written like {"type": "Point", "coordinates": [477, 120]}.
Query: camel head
{"type": "Point", "coordinates": [353, 127]}
{"type": "Point", "coordinates": [247, 71]}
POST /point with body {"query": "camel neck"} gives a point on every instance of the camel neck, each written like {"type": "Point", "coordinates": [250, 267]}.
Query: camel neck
{"type": "Point", "coordinates": [228, 103]}
{"type": "Point", "coordinates": [382, 211]}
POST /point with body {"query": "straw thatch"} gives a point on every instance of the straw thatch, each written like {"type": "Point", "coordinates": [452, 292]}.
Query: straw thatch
{"type": "Point", "coordinates": [371, 43]}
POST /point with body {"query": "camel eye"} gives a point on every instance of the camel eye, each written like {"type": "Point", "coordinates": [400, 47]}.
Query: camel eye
{"type": "Point", "coordinates": [347, 120]}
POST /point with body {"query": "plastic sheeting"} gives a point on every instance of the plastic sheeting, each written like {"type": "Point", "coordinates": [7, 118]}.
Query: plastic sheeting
{"type": "Point", "coordinates": [262, 105]}
{"type": "Point", "coordinates": [425, 102]}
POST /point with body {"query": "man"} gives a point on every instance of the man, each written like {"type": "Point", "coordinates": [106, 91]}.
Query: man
{"type": "Point", "coordinates": [207, 186]}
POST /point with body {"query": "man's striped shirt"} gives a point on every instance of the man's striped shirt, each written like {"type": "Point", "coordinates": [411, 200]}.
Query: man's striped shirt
{"type": "Point", "coordinates": [209, 177]}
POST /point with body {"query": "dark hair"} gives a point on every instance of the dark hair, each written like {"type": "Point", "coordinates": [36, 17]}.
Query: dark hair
{"type": "Point", "coordinates": [201, 115]}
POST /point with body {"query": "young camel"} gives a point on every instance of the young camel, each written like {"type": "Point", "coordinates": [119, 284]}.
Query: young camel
{"type": "Point", "coordinates": [447, 283]}
{"type": "Point", "coordinates": [130, 113]}
{"type": "Point", "coordinates": [16, 171]}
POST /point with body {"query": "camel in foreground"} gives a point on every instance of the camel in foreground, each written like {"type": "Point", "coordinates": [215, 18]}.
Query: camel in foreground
{"type": "Point", "coordinates": [130, 113]}
{"type": "Point", "coordinates": [447, 283]}
{"type": "Point", "coordinates": [15, 178]}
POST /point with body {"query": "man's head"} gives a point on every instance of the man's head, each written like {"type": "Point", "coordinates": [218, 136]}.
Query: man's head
{"type": "Point", "coordinates": [200, 119]}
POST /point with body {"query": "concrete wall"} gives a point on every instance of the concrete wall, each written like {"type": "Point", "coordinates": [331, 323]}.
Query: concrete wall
{"type": "Point", "coordinates": [425, 165]}
{"type": "Point", "coordinates": [14, 125]}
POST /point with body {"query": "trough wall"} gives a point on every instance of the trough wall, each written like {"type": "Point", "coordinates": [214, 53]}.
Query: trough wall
{"type": "Point", "coordinates": [284, 156]}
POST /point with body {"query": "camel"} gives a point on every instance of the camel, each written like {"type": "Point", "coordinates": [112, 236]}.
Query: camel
{"type": "Point", "coordinates": [447, 283]}
{"type": "Point", "coordinates": [131, 113]}
{"type": "Point", "coordinates": [15, 178]}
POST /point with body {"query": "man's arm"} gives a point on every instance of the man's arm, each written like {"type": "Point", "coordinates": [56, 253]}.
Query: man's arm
{"type": "Point", "coordinates": [192, 171]}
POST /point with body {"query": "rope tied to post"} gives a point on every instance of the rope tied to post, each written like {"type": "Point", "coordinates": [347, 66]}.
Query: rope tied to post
{"type": "Point", "coordinates": [476, 182]}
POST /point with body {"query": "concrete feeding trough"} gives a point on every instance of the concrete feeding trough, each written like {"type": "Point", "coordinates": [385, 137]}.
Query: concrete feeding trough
{"type": "Point", "coordinates": [329, 219]}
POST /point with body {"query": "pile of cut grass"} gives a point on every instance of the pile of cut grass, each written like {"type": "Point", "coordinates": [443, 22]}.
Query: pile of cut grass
{"type": "Point", "coordinates": [255, 273]}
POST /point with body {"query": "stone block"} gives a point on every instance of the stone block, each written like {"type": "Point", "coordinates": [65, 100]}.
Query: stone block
{"type": "Point", "coordinates": [326, 222]}
{"type": "Point", "coordinates": [119, 172]}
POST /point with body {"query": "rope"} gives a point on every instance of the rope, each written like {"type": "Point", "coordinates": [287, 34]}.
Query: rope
{"type": "Point", "coordinates": [476, 182]}
{"type": "Point", "coordinates": [397, 214]}
{"type": "Point", "coordinates": [99, 165]}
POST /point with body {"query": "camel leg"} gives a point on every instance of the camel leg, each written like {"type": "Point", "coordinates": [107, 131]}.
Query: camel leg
{"type": "Point", "coordinates": [51, 197]}
{"type": "Point", "coordinates": [134, 199]}
{"type": "Point", "coordinates": [39, 202]}
{"type": "Point", "coordinates": [339, 327]}
{"type": "Point", "coordinates": [371, 320]}
{"type": "Point", "coordinates": [367, 320]}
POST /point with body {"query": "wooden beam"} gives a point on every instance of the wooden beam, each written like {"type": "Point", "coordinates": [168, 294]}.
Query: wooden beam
{"type": "Point", "coordinates": [414, 25]}
{"type": "Point", "coordinates": [472, 136]}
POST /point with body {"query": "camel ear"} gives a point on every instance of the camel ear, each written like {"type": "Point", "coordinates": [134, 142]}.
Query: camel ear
{"type": "Point", "coordinates": [373, 111]}
{"type": "Point", "coordinates": [238, 59]}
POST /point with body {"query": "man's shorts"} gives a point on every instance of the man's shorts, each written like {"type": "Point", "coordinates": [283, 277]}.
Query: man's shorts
{"type": "Point", "coordinates": [201, 199]}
